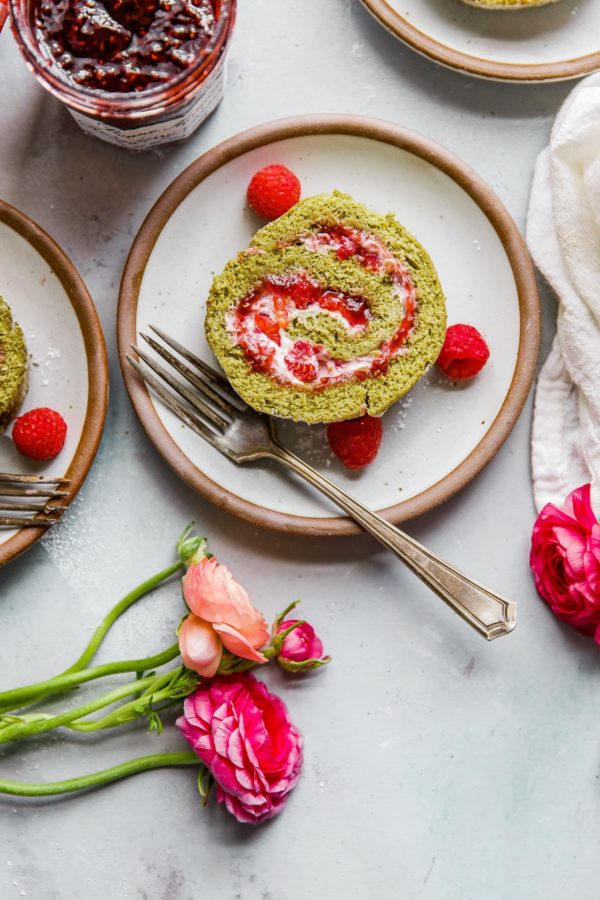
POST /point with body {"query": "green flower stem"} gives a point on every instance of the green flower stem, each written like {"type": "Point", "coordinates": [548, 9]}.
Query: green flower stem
{"type": "Point", "coordinates": [21, 696]}
{"type": "Point", "coordinates": [10, 700]}
{"type": "Point", "coordinates": [165, 690]}
{"type": "Point", "coordinates": [118, 610]}
{"type": "Point", "coordinates": [28, 726]}
{"type": "Point", "coordinates": [123, 770]}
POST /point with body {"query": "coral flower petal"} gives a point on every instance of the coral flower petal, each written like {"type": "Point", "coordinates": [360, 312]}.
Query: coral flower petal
{"type": "Point", "coordinates": [200, 647]}
{"type": "Point", "coordinates": [237, 644]}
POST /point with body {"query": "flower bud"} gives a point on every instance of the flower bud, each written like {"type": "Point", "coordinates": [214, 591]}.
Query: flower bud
{"type": "Point", "coordinates": [298, 647]}
{"type": "Point", "coordinates": [190, 548]}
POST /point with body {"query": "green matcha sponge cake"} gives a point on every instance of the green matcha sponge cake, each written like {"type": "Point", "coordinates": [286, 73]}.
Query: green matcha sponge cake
{"type": "Point", "coordinates": [333, 312]}
{"type": "Point", "coordinates": [13, 366]}
{"type": "Point", "coordinates": [508, 4]}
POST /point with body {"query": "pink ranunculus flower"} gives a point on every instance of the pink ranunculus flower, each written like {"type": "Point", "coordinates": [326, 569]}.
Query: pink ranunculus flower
{"type": "Point", "coordinates": [301, 644]}
{"type": "Point", "coordinates": [565, 561]}
{"type": "Point", "coordinates": [245, 738]}
{"type": "Point", "coordinates": [215, 598]}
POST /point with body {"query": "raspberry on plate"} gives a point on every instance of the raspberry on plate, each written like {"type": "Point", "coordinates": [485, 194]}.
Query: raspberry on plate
{"type": "Point", "coordinates": [40, 433]}
{"type": "Point", "coordinates": [355, 441]}
{"type": "Point", "coordinates": [464, 353]}
{"type": "Point", "coordinates": [272, 191]}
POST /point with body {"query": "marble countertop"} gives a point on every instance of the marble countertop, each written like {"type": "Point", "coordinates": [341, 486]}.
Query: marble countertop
{"type": "Point", "coordinates": [437, 766]}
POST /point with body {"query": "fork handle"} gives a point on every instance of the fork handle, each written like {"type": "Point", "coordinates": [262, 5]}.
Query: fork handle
{"type": "Point", "coordinates": [490, 614]}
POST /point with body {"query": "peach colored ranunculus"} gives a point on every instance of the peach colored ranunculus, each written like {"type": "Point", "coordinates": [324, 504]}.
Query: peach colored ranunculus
{"type": "Point", "coordinates": [565, 561]}
{"type": "Point", "coordinates": [244, 736]}
{"type": "Point", "coordinates": [200, 646]}
{"type": "Point", "coordinates": [222, 605]}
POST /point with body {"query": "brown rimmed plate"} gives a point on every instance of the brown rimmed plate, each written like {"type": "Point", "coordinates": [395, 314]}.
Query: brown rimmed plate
{"type": "Point", "coordinates": [68, 369]}
{"type": "Point", "coordinates": [547, 43]}
{"type": "Point", "coordinates": [439, 437]}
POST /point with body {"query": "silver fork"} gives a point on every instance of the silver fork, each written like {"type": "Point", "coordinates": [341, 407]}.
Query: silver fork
{"type": "Point", "coordinates": [220, 416]}
{"type": "Point", "coordinates": [31, 500]}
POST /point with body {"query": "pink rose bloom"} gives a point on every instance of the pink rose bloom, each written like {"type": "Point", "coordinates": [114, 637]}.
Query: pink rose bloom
{"type": "Point", "coordinates": [565, 561]}
{"type": "Point", "coordinates": [300, 644]}
{"type": "Point", "coordinates": [244, 736]}
{"type": "Point", "coordinates": [222, 617]}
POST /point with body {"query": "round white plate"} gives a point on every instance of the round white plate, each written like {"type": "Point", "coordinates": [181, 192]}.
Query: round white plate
{"type": "Point", "coordinates": [441, 434]}
{"type": "Point", "coordinates": [67, 369]}
{"type": "Point", "coordinates": [547, 43]}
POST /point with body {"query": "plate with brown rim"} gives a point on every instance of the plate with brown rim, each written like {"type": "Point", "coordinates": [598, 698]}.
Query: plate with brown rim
{"type": "Point", "coordinates": [546, 43]}
{"type": "Point", "coordinates": [438, 437]}
{"type": "Point", "coordinates": [67, 357]}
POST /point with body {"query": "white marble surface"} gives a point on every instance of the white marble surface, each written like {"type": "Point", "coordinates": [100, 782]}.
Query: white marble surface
{"type": "Point", "coordinates": [437, 766]}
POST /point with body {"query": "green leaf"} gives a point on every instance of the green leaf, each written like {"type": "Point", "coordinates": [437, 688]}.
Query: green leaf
{"type": "Point", "coordinates": [155, 723]}
{"type": "Point", "coordinates": [291, 665]}
{"type": "Point", "coordinates": [281, 616]}
{"type": "Point", "coordinates": [205, 784]}
{"type": "Point", "coordinates": [180, 623]}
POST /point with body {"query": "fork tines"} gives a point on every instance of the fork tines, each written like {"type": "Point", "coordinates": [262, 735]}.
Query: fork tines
{"type": "Point", "coordinates": [210, 403]}
{"type": "Point", "coordinates": [34, 504]}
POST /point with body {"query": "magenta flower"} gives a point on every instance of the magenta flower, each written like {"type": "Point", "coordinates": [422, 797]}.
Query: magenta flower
{"type": "Point", "coordinates": [245, 738]}
{"type": "Point", "coordinates": [565, 561]}
{"type": "Point", "coordinates": [300, 648]}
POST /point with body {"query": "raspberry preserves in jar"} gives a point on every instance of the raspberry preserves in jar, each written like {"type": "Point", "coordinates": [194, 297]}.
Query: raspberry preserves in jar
{"type": "Point", "coordinates": [134, 72]}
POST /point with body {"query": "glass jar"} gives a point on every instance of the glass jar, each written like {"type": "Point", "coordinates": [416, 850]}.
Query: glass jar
{"type": "Point", "coordinates": [136, 120]}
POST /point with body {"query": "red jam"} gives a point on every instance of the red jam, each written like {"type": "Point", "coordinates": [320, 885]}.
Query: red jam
{"type": "Point", "coordinates": [348, 243]}
{"type": "Point", "coordinates": [299, 293]}
{"type": "Point", "coordinates": [260, 321]}
{"type": "Point", "coordinates": [262, 316]}
{"type": "Point", "coordinates": [124, 45]}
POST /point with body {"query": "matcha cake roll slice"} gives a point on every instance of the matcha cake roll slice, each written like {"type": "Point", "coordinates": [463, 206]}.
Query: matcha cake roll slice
{"type": "Point", "coordinates": [13, 366]}
{"type": "Point", "coordinates": [508, 4]}
{"type": "Point", "coordinates": [333, 311]}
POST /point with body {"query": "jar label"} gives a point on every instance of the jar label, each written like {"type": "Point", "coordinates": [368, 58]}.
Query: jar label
{"type": "Point", "coordinates": [176, 129]}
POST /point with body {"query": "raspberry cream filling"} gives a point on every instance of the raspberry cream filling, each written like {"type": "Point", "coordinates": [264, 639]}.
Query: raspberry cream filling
{"type": "Point", "coordinates": [260, 323]}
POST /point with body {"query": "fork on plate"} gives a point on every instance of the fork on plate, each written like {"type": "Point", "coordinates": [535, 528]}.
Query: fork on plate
{"type": "Point", "coordinates": [206, 402]}
{"type": "Point", "coordinates": [31, 500]}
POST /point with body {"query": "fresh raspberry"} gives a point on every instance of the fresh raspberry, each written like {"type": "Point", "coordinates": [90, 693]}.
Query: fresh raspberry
{"type": "Point", "coordinates": [40, 433]}
{"type": "Point", "coordinates": [464, 353]}
{"type": "Point", "coordinates": [272, 191]}
{"type": "Point", "coordinates": [356, 441]}
{"type": "Point", "coordinates": [301, 360]}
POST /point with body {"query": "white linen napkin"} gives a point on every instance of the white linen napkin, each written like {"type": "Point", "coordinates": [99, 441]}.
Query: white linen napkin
{"type": "Point", "coordinates": [563, 232]}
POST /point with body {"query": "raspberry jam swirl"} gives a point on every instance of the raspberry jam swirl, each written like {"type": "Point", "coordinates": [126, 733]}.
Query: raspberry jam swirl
{"type": "Point", "coordinates": [260, 322]}
{"type": "Point", "coordinates": [123, 45]}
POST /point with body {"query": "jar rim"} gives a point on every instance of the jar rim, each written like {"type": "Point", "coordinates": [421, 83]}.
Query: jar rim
{"type": "Point", "coordinates": [107, 104]}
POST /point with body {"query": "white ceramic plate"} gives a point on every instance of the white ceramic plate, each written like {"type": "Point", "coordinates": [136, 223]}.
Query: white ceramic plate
{"type": "Point", "coordinates": [440, 435]}
{"type": "Point", "coordinates": [67, 358]}
{"type": "Point", "coordinates": [554, 42]}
